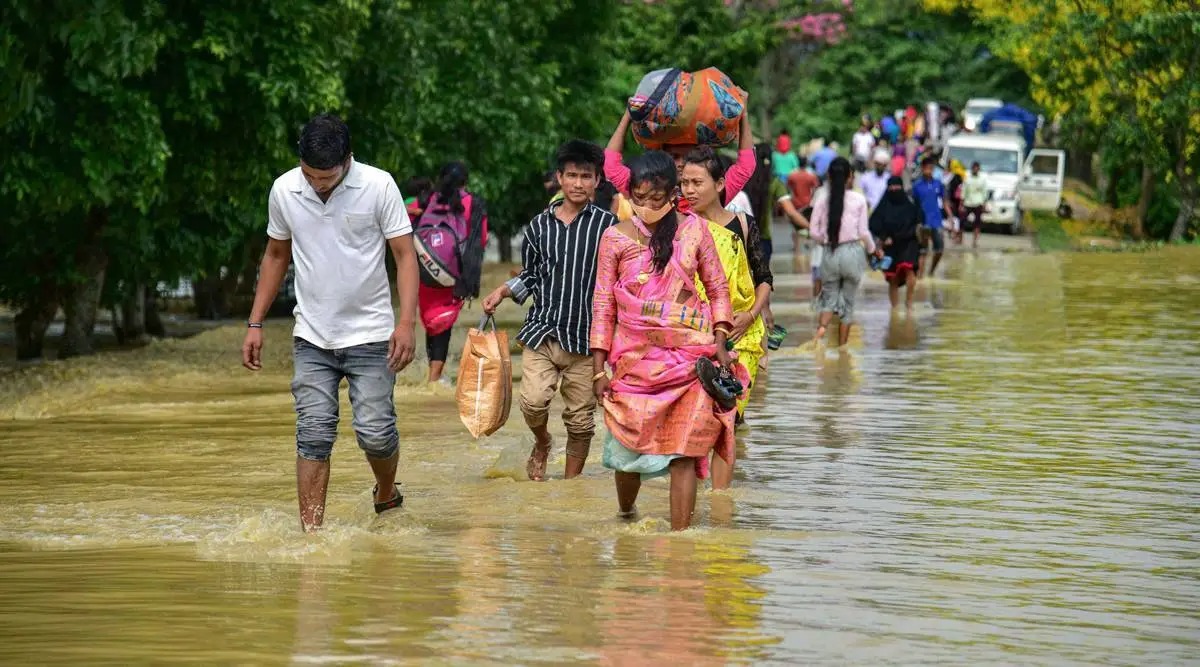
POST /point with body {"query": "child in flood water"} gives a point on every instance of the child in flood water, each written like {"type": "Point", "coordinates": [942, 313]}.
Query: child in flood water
{"type": "Point", "coordinates": [650, 326]}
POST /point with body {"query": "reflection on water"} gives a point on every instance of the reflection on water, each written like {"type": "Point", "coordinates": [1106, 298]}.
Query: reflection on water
{"type": "Point", "coordinates": [1007, 474]}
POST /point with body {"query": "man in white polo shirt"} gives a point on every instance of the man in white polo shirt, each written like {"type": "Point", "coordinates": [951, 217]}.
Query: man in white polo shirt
{"type": "Point", "coordinates": [334, 216]}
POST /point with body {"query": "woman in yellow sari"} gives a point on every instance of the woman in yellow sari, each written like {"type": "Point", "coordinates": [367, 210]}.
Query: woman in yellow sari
{"type": "Point", "coordinates": [702, 182]}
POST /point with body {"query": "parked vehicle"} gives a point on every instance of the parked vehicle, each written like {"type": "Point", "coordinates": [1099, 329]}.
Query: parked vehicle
{"type": "Point", "coordinates": [974, 110]}
{"type": "Point", "coordinates": [1019, 180]}
{"type": "Point", "coordinates": [1000, 158]}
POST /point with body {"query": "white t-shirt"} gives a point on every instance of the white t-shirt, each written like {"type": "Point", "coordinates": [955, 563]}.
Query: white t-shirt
{"type": "Point", "coordinates": [863, 143]}
{"type": "Point", "coordinates": [342, 293]}
{"type": "Point", "coordinates": [740, 204]}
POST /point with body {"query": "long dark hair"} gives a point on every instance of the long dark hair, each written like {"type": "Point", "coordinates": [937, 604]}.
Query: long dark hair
{"type": "Point", "coordinates": [657, 169]}
{"type": "Point", "coordinates": [452, 182]}
{"type": "Point", "coordinates": [839, 173]}
{"type": "Point", "coordinates": [758, 188]}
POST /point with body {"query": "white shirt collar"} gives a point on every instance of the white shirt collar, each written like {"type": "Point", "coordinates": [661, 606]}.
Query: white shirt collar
{"type": "Point", "coordinates": [353, 179]}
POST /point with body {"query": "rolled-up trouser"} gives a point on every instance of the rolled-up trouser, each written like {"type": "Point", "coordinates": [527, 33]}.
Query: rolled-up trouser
{"type": "Point", "coordinates": [841, 272]}
{"type": "Point", "coordinates": [549, 368]}
{"type": "Point", "coordinates": [315, 387]}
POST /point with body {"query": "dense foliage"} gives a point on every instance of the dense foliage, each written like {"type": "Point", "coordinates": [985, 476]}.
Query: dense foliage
{"type": "Point", "coordinates": [142, 137]}
{"type": "Point", "coordinates": [1124, 75]}
{"type": "Point", "coordinates": [895, 54]}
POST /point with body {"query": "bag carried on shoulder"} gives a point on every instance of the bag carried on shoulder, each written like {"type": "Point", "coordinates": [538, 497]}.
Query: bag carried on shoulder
{"type": "Point", "coordinates": [440, 239]}
{"type": "Point", "coordinates": [484, 387]}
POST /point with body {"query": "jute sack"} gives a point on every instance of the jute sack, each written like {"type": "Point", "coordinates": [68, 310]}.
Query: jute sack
{"type": "Point", "coordinates": [484, 388]}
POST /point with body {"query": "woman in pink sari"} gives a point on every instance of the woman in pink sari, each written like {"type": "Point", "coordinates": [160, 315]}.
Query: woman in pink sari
{"type": "Point", "coordinates": [651, 328]}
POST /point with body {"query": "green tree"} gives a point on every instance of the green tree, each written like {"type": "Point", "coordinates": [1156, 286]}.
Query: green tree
{"type": "Point", "coordinates": [84, 149]}
{"type": "Point", "coordinates": [895, 53]}
{"type": "Point", "coordinates": [234, 88]}
{"type": "Point", "coordinates": [1126, 69]}
{"type": "Point", "coordinates": [494, 84]}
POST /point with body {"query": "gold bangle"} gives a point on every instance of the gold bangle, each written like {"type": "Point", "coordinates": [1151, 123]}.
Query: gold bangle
{"type": "Point", "coordinates": [599, 375]}
{"type": "Point", "coordinates": [721, 330]}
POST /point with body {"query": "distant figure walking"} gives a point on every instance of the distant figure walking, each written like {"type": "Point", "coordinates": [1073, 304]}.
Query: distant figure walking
{"type": "Point", "coordinates": [839, 222]}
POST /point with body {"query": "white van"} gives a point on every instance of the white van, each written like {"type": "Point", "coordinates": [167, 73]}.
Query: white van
{"type": "Point", "coordinates": [1017, 182]}
{"type": "Point", "coordinates": [976, 107]}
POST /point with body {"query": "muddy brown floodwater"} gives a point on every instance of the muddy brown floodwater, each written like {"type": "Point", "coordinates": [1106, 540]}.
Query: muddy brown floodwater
{"type": "Point", "coordinates": [1010, 475]}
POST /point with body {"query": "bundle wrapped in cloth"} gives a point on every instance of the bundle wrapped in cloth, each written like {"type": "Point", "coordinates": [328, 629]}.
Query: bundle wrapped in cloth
{"type": "Point", "coordinates": [484, 387]}
{"type": "Point", "coordinates": [676, 107]}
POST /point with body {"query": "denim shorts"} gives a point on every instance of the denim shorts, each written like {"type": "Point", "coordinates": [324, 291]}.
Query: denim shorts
{"type": "Point", "coordinates": [315, 387]}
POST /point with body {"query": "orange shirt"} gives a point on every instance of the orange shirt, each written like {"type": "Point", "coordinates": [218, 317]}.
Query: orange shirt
{"type": "Point", "coordinates": [802, 183]}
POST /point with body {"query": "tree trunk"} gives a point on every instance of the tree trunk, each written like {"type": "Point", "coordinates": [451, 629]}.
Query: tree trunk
{"type": "Point", "coordinates": [154, 323]}
{"type": "Point", "coordinates": [1079, 166]}
{"type": "Point", "coordinates": [31, 323]}
{"type": "Point", "coordinates": [1143, 207]}
{"type": "Point", "coordinates": [209, 299]}
{"type": "Point", "coordinates": [82, 299]}
{"type": "Point", "coordinates": [1189, 190]}
{"type": "Point", "coordinates": [133, 316]}
{"type": "Point", "coordinates": [505, 246]}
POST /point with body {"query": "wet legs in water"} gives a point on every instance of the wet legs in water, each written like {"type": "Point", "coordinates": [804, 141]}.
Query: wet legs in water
{"type": "Point", "coordinates": [823, 326]}
{"type": "Point", "coordinates": [683, 492]}
{"type": "Point", "coordinates": [628, 485]}
{"type": "Point", "coordinates": [312, 481]}
{"type": "Point", "coordinates": [312, 484]}
{"type": "Point", "coordinates": [435, 370]}
{"type": "Point", "coordinates": [722, 471]}
{"type": "Point", "coordinates": [894, 291]}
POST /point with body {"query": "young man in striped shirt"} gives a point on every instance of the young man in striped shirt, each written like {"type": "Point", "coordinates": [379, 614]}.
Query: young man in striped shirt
{"type": "Point", "coordinates": [559, 256]}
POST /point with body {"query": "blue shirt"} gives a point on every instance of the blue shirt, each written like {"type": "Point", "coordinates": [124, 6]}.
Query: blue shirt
{"type": "Point", "coordinates": [929, 196]}
{"type": "Point", "coordinates": [821, 160]}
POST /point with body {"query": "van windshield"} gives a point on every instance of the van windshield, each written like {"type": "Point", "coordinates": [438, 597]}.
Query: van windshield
{"type": "Point", "coordinates": [992, 160]}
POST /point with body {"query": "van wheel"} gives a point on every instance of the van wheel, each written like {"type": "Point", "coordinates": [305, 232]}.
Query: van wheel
{"type": "Point", "coordinates": [1017, 223]}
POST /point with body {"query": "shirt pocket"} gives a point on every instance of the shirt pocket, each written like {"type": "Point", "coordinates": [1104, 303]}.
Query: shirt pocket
{"type": "Point", "coordinates": [358, 230]}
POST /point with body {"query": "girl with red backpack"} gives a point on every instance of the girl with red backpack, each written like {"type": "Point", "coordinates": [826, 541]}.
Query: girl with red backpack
{"type": "Point", "coordinates": [450, 237]}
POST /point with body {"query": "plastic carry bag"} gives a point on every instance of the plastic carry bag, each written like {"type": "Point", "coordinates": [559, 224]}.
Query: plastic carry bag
{"type": "Point", "coordinates": [484, 387]}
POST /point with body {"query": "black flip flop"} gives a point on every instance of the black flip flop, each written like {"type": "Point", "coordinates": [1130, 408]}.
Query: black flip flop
{"type": "Point", "coordinates": [396, 501]}
{"type": "Point", "coordinates": [717, 384]}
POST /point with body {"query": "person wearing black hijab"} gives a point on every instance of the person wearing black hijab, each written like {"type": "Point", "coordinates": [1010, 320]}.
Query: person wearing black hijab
{"type": "Point", "coordinates": [895, 222]}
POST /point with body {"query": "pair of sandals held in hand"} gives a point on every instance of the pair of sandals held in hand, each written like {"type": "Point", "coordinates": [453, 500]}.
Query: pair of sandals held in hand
{"type": "Point", "coordinates": [719, 382]}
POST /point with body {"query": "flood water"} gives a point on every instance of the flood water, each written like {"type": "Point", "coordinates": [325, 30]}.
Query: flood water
{"type": "Point", "coordinates": [1010, 475]}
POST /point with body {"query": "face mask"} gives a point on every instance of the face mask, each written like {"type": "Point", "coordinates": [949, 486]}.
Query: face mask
{"type": "Point", "coordinates": [896, 196]}
{"type": "Point", "coordinates": [652, 215]}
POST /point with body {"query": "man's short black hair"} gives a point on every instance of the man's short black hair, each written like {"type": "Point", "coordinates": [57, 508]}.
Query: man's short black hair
{"type": "Point", "coordinates": [579, 152]}
{"type": "Point", "coordinates": [928, 160]}
{"type": "Point", "coordinates": [803, 162]}
{"type": "Point", "coordinates": [975, 164]}
{"type": "Point", "coordinates": [324, 142]}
